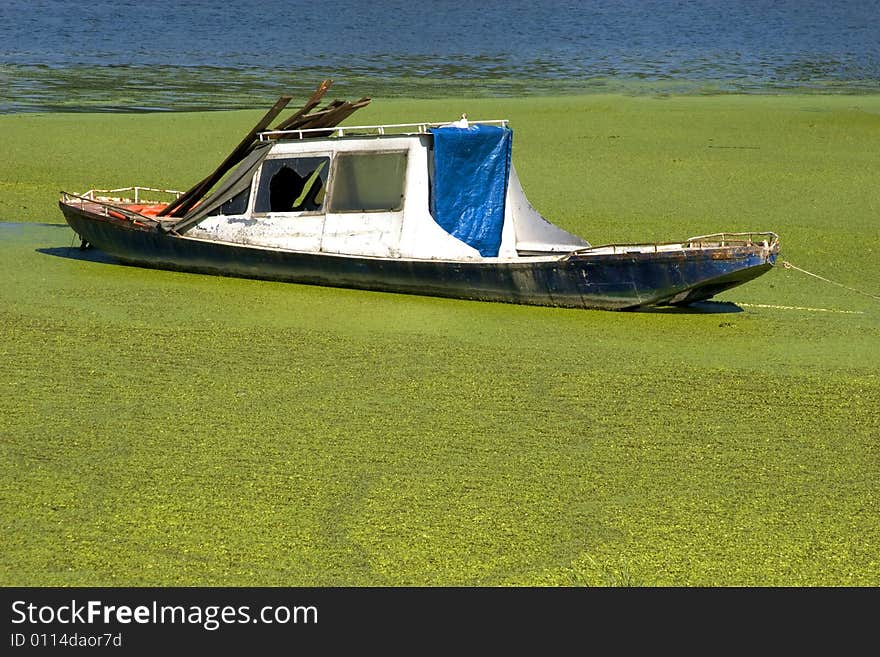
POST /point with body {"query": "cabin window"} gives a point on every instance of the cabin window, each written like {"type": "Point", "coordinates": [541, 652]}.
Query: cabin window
{"type": "Point", "coordinates": [236, 205]}
{"type": "Point", "coordinates": [368, 182]}
{"type": "Point", "coordinates": [292, 184]}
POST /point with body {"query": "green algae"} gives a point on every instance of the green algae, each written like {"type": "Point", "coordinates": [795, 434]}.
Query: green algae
{"type": "Point", "coordinates": [162, 428]}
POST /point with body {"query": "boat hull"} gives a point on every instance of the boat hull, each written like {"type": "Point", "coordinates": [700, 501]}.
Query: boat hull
{"type": "Point", "coordinates": [617, 281]}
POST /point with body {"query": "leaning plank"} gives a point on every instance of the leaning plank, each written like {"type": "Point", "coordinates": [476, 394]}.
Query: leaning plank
{"type": "Point", "coordinates": [328, 118]}
{"type": "Point", "coordinates": [189, 198]}
{"type": "Point", "coordinates": [350, 109]}
{"type": "Point", "coordinates": [314, 117]}
{"type": "Point", "coordinates": [337, 115]}
{"type": "Point", "coordinates": [311, 104]}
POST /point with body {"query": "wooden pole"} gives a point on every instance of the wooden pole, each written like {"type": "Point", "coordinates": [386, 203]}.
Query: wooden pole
{"type": "Point", "coordinates": [311, 104]}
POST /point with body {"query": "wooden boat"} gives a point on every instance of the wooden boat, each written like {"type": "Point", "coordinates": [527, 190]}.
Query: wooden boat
{"type": "Point", "coordinates": [423, 208]}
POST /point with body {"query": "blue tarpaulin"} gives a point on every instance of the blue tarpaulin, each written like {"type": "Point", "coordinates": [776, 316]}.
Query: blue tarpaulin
{"type": "Point", "coordinates": [471, 168]}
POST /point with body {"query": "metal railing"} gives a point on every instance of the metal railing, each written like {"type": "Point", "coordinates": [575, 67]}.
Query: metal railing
{"type": "Point", "coordinates": [110, 208]}
{"type": "Point", "coordinates": [390, 128]}
{"type": "Point", "coordinates": [97, 194]}
{"type": "Point", "coordinates": [767, 240]}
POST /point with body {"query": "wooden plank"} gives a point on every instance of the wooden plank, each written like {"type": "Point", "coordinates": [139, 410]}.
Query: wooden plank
{"type": "Point", "coordinates": [329, 118]}
{"type": "Point", "coordinates": [329, 107]}
{"type": "Point", "coordinates": [311, 104]}
{"type": "Point", "coordinates": [314, 116]}
{"type": "Point", "coordinates": [349, 110]}
{"type": "Point", "coordinates": [336, 115]}
{"type": "Point", "coordinates": [189, 198]}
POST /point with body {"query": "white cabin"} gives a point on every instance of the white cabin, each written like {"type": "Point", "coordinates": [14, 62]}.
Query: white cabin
{"type": "Point", "coordinates": [361, 191]}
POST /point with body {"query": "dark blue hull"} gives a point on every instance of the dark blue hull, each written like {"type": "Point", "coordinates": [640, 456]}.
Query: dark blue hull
{"type": "Point", "coordinates": [602, 281]}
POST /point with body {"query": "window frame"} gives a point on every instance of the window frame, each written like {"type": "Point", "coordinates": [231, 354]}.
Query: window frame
{"type": "Point", "coordinates": [334, 167]}
{"type": "Point", "coordinates": [257, 181]}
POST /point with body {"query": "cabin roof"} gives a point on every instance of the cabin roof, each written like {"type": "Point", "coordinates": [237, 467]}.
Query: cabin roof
{"type": "Point", "coordinates": [398, 129]}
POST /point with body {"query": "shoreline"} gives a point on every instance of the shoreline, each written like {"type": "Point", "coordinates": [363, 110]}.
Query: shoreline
{"type": "Point", "coordinates": [139, 89]}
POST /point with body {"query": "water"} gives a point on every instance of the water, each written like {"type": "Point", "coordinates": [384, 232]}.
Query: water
{"type": "Point", "coordinates": [122, 55]}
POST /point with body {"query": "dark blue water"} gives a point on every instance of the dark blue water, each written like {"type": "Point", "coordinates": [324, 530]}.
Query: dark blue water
{"type": "Point", "coordinates": [121, 55]}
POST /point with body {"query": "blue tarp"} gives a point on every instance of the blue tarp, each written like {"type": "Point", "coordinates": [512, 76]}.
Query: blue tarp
{"type": "Point", "coordinates": [471, 168]}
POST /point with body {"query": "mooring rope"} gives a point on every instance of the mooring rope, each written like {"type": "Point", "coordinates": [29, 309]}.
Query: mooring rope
{"type": "Point", "coordinates": [787, 265]}
{"type": "Point", "coordinates": [812, 310]}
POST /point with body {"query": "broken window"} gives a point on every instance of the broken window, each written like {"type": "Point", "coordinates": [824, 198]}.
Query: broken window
{"type": "Point", "coordinates": [292, 184]}
{"type": "Point", "coordinates": [368, 182]}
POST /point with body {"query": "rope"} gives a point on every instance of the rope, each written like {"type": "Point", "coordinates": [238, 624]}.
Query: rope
{"type": "Point", "coordinates": [813, 310]}
{"type": "Point", "coordinates": [788, 265]}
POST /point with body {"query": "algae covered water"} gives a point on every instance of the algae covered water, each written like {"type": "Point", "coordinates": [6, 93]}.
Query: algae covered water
{"type": "Point", "coordinates": [115, 55]}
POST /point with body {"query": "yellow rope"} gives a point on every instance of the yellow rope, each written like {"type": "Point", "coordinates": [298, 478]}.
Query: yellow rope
{"type": "Point", "coordinates": [788, 265]}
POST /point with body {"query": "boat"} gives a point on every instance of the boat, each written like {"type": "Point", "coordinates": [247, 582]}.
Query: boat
{"type": "Point", "coordinates": [421, 208]}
